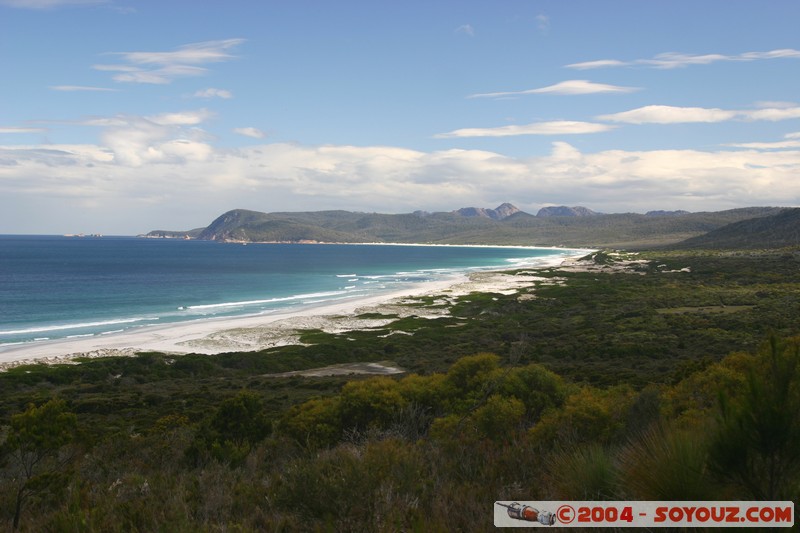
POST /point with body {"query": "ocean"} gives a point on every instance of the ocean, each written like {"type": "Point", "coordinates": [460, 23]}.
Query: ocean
{"type": "Point", "coordinates": [54, 287]}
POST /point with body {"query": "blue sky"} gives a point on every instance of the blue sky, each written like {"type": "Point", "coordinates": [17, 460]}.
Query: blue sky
{"type": "Point", "coordinates": [124, 116]}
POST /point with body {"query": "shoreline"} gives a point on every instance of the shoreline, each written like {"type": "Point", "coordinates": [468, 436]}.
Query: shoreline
{"type": "Point", "coordinates": [377, 243]}
{"type": "Point", "coordinates": [258, 332]}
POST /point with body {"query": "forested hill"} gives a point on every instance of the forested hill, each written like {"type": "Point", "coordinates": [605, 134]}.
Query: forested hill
{"type": "Point", "coordinates": [774, 231]}
{"type": "Point", "coordinates": [505, 225]}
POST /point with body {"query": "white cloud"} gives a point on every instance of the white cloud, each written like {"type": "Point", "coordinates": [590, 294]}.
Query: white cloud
{"type": "Point", "coordinates": [671, 60]}
{"type": "Point", "coordinates": [466, 29]}
{"type": "Point", "coordinates": [564, 87]}
{"type": "Point", "coordinates": [792, 141]}
{"type": "Point", "coordinates": [184, 118]}
{"type": "Point", "coordinates": [213, 93]}
{"type": "Point", "coordinates": [164, 67]}
{"type": "Point", "coordinates": [780, 145]}
{"type": "Point", "coordinates": [14, 129]}
{"type": "Point", "coordinates": [773, 54]}
{"type": "Point", "coordinates": [772, 115]}
{"type": "Point", "coordinates": [558, 127]}
{"type": "Point", "coordinates": [599, 63]}
{"type": "Point", "coordinates": [166, 138]}
{"type": "Point", "coordinates": [115, 68]}
{"type": "Point", "coordinates": [104, 121]}
{"type": "Point", "coordinates": [161, 76]}
{"type": "Point", "coordinates": [80, 88]}
{"type": "Point", "coordinates": [189, 54]}
{"type": "Point", "coordinates": [255, 133]}
{"type": "Point", "coordinates": [663, 114]}
{"type": "Point", "coordinates": [144, 165]}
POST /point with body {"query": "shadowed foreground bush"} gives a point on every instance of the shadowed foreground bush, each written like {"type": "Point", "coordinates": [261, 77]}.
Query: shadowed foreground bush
{"type": "Point", "coordinates": [405, 454]}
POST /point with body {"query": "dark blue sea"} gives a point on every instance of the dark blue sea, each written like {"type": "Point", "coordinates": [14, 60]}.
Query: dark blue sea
{"type": "Point", "coordinates": [54, 287]}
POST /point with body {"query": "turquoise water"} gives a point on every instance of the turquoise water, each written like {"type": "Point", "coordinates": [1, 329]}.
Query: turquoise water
{"type": "Point", "coordinates": [54, 287]}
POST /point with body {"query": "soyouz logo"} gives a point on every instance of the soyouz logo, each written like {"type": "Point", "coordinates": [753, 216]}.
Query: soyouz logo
{"type": "Point", "coordinates": [529, 514]}
{"type": "Point", "coordinates": [644, 514]}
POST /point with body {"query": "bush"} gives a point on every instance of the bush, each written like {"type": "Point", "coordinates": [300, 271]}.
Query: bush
{"type": "Point", "coordinates": [757, 445]}
{"type": "Point", "coordinates": [370, 403]}
{"type": "Point", "coordinates": [500, 418]}
{"type": "Point", "coordinates": [587, 416]}
{"type": "Point", "coordinates": [666, 464]}
{"type": "Point", "coordinates": [315, 423]}
{"type": "Point", "coordinates": [538, 388]}
{"type": "Point", "coordinates": [584, 473]}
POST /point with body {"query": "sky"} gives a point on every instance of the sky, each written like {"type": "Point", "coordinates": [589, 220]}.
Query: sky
{"type": "Point", "coordinates": [123, 116]}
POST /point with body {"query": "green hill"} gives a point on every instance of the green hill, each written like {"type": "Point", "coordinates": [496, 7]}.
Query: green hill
{"type": "Point", "coordinates": [470, 226]}
{"type": "Point", "coordinates": [774, 231]}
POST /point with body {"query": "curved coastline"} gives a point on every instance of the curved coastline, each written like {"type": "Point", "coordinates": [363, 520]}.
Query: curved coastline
{"type": "Point", "coordinates": [261, 331]}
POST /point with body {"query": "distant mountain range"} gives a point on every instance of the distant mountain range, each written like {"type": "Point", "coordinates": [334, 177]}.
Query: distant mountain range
{"type": "Point", "coordinates": [501, 212]}
{"type": "Point", "coordinates": [503, 225]}
{"type": "Point", "coordinates": [564, 211]}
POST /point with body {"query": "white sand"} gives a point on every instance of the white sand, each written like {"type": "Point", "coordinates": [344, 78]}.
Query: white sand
{"type": "Point", "coordinates": [257, 332]}
{"type": "Point", "coordinates": [187, 337]}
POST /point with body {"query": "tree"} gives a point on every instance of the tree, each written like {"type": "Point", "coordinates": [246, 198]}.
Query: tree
{"type": "Point", "coordinates": [35, 447]}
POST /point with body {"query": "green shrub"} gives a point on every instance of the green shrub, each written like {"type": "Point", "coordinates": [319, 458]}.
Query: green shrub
{"type": "Point", "coordinates": [538, 388]}
{"type": "Point", "coordinates": [500, 418]}
{"type": "Point", "coordinates": [584, 473]}
{"type": "Point", "coordinates": [757, 445]}
{"type": "Point", "coordinates": [315, 423]}
{"type": "Point", "coordinates": [667, 464]}
{"type": "Point", "coordinates": [370, 403]}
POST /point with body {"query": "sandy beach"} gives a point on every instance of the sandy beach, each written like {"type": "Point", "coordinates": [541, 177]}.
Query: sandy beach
{"type": "Point", "coordinates": [257, 332]}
